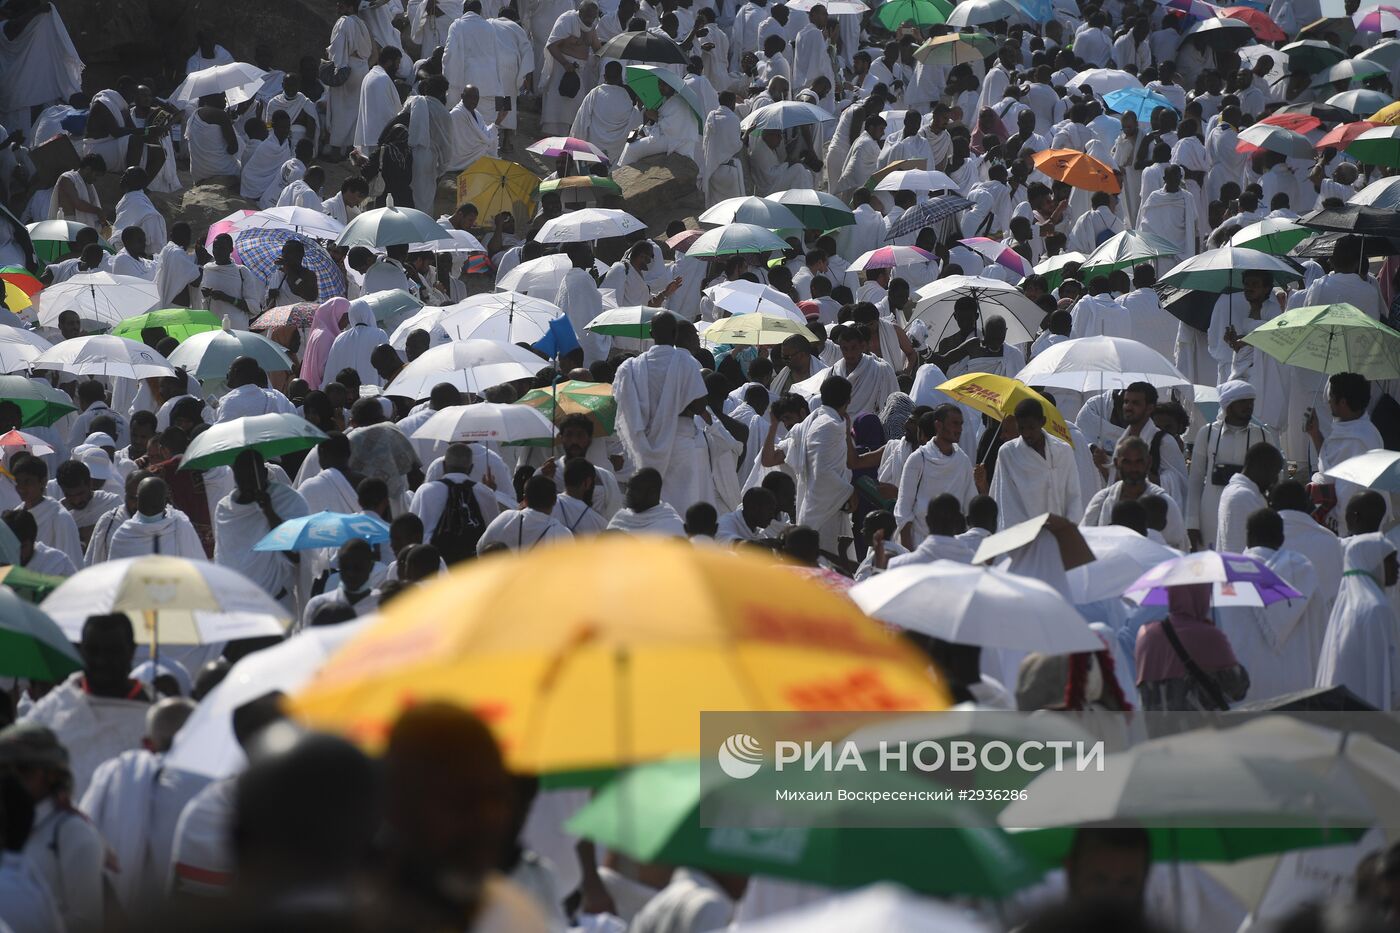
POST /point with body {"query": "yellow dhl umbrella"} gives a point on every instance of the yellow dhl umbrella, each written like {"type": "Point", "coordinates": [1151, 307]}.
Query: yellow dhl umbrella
{"type": "Point", "coordinates": [602, 653]}
{"type": "Point", "coordinates": [1389, 115]}
{"type": "Point", "coordinates": [997, 397]}
{"type": "Point", "coordinates": [496, 186]}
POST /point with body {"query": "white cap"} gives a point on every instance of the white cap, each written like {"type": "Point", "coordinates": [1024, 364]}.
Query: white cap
{"type": "Point", "coordinates": [96, 460]}
{"type": "Point", "coordinates": [99, 439]}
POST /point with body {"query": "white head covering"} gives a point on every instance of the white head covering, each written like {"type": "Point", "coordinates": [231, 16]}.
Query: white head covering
{"type": "Point", "coordinates": [1367, 553]}
{"type": "Point", "coordinates": [1236, 390]}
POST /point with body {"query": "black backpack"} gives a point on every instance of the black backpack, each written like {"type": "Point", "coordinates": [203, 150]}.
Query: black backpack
{"type": "Point", "coordinates": [460, 527]}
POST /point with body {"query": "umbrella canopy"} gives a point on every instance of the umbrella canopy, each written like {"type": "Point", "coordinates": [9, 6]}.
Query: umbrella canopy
{"type": "Point", "coordinates": [538, 278]}
{"type": "Point", "coordinates": [1312, 55]}
{"type": "Point", "coordinates": [935, 303]}
{"type": "Point", "coordinates": [390, 226]}
{"type": "Point", "coordinates": [599, 680]}
{"type": "Point", "coordinates": [299, 315]}
{"type": "Point", "coordinates": [736, 240]}
{"type": "Point", "coordinates": [1094, 364]}
{"type": "Point", "coordinates": [1273, 236]}
{"type": "Point", "coordinates": [583, 189]}
{"type": "Point", "coordinates": [53, 239]}
{"type": "Point", "coordinates": [1240, 571]}
{"type": "Point", "coordinates": [31, 644]}
{"type": "Point", "coordinates": [497, 187]}
{"type": "Point", "coordinates": [104, 355]}
{"type": "Point", "coordinates": [1265, 29]}
{"type": "Point", "coordinates": [1379, 19]}
{"type": "Point", "coordinates": [928, 213]}
{"type": "Point", "coordinates": [486, 422]}
{"type": "Point", "coordinates": [1371, 219]}
{"type": "Point", "coordinates": [1223, 269]}
{"type": "Point", "coordinates": [21, 278]}
{"type": "Point", "coordinates": [1377, 146]}
{"type": "Point", "coordinates": [646, 82]}
{"type": "Point", "coordinates": [1220, 33]}
{"type": "Point", "coordinates": [634, 321]}
{"type": "Point", "coordinates": [593, 223]}
{"type": "Point", "coordinates": [893, 14]}
{"type": "Point", "coordinates": [261, 249]}
{"type": "Point", "coordinates": [999, 253]}
{"type": "Point", "coordinates": [998, 396]}
{"type": "Point", "coordinates": [956, 48]}
{"type": "Point", "coordinates": [1077, 169]}
{"type": "Point", "coordinates": [99, 298]}
{"type": "Point", "coordinates": [818, 210]}
{"type": "Point", "coordinates": [1375, 469]}
{"type": "Point", "coordinates": [1336, 338]}
{"type": "Point", "coordinates": [1389, 115]}
{"type": "Point", "coordinates": [324, 530]}
{"type": "Point", "coordinates": [506, 317]}
{"type": "Point", "coordinates": [785, 115]}
{"type": "Point", "coordinates": [594, 400]}
{"type": "Point", "coordinates": [470, 365]}
{"type": "Point", "coordinates": [40, 404]}
{"type": "Point", "coordinates": [208, 355]}
{"type": "Point", "coordinates": [1362, 102]}
{"type": "Point", "coordinates": [1274, 139]}
{"type": "Point", "coordinates": [1339, 137]}
{"type": "Point", "coordinates": [217, 80]}
{"type": "Point", "coordinates": [1297, 122]}
{"type": "Point", "coordinates": [580, 150]}
{"type": "Point", "coordinates": [456, 241]}
{"type": "Point", "coordinates": [302, 220]}
{"type": "Point", "coordinates": [1053, 268]}
{"type": "Point", "coordinates": [919, 180]}
{"type": "Point", "coordinates": [643, 46]}
{"type": "Point", "coordinates": [751, 210]}
{"type": "Point", "coordinates": [170, 601]}
{"type": "Point", "coordinates": [742, 297]}
{"type": "Point", "coordinates": [890, 257]}
{"type": "Point", "coordinates": [15, 440]}
{"type": "Point", "coordinates": [180, 323]}
{"type": "Point", "coordinates": [755, 330]}
{"type": "Point", "coordinates": [1103, 80]}
{"type": "Point", "coordinates": [1121, 556]}
{"type": "Point", "coordinates": [1138, 101]}
{"type": "Point", "coordinates": [881, 906]}
{"type": "Point", "coordinates": [19, 348]}
{"type": "Point", "coordinates": [16, 300]}
{"type": "Point", "coordinates": [271, 435]}
{"type": "Point", "coordinates": [1353, 69]}
{"type": "Point", "coordinates": [970, 13]}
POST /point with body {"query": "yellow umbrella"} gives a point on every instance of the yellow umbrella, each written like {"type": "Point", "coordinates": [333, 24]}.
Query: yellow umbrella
{"type": "Point", "coordinates": [496, 186]}
{"type": "Point", "coordinates": [15, 298]}
{"type": "Point", "coordinates": [1389, 115]}
{"type": "Point", "coordinates": [650, 633]}
{"type": "Point", "coordinates": [997, 397]}
{"type": "Point", "coordinates": [755, 330]}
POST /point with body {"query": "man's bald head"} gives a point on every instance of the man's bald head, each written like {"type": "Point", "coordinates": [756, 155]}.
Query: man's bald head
{"type": "Point", "coordinates": [471, 96]}
{"type": "Point", "coordinates": [664, 326]}
{"type": "Point", "coordinates": [151, 496]}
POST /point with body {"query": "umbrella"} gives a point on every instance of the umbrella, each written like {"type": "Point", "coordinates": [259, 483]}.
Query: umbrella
{"type": "Point", "coordinates": [391, 305]}
{"type": "Point", "coordinates": [818, 210]}
{"type": "Point", "coordinates": [1221, 34]}
{"type": "Point", "coordinates": [1138, 101]}
{"type": "Point", "coordinates": [261, 250]}
{"type": "Point", "coordinates": [98, 298]}
{"type": "Point", "coordinates": [216, 80]}
{"type": "Point", "coordinates": [22, 279]}
{"type": "Point", "coordinates": [1375, 469]}
{"type": "Point", "coordinates": [390, 226]}
{"type": "Point", "coordinates": [982, 606]}
{"type": "Point", "coordinates": [180, 323]}
{"type": "Point", "coordinates": [1297, 122]}
{"type": "Point", "coordinates": [495, 186]}
{"type": "Point", "coordinates": [634, 321]}
{"type": "Point", "coordinates": [538, 278]}
{"type": "Point", "coordinates": [456, 241]}
{"type": "Point", "coordinates": [1094, 364]}
{"type": "Point", "coordinates": [743, 297]}
{"type": "Point", "coordinates": [982, 12]}
{"type": "Point", "coordinates": [593, 223]}
{"type": "Point", "coordinates": [1377, 146]}
{"type": "Point", "coordinates": [170, 600]}
{"type": "Point", "coordinates": [323, 530]}
{"type": "Point", "coordinates": [13, 440]}
{"type": "Point", "coordinates": [1387, 52]}
{"type": "Point", "coordinates": [1378, 19]}
{"type": "Point", "coordinates": [207, 355]}
{"type": "Point", "coordinates": [646, 80]}
{"type": "Point", "coordinates": [586, 185]}
{"type": "Point", "coordinates": [104, 355]}
{"type": "Point", "coordinates": [785, 115]}
{"type": "Point", "coordinates": [1125, 249]}
{"type": "Point", "coordinates": [600, 680]}
{"type": "Point", "coordinates": [936, 300]}
{"type": "Point", "coordinates": [1274, 139]}
{"type": "Point", "coordinates": [427, 320]}
{"type": "Point", "coordinates": [657, 813]}
{"type": "Point", "coordinates": [1312, 55]}
{"type": "Point", "coordinates": [40, 404]}
{"type": "Point", "coordinates": [916, 180]}
{"type": "Point", "coordinates": [31, 645]}
{"type": "Point", "coordinates": [470, 365]}
{"type": "Point", "coordinates": [1053, 267]}
{"type": "Point", "coordinates": [1077, 170]}
{"type": "Point", "coordinates": [755, 330]}
{"type": "Point", "coordinates": [893, 14]}
{"type": "Point", "coordinates": [580, 150]}
{"type": "Point", "coordinates": [226, 226]}
{"type": "Point", "coordinates": [750, 210]}
{"type": "Point", "coordinates": [1371, 219]}
{"type": "Point", "coordinates": [298, 315]}
{"type": "Point", "coordinates": [19, 348]}
{"type": "Point", "coordinates": [205, 745]}
{"type": "Point", "coordinates": [956, 48]}
{"type": "Point", "coordinates": [928, 213]}
{"type": "Point", "coordinates": [833, 7]}
{"type": "Point", "coordinates": [296, 219]}
{"type": "Point", "coordinates": [881, 906]}
{"type": "Point", "coordinates": [736, 240]}
{"type": "Point", "coordinates": [574, 397]}
{"type": "Point", "coordinates": [1245, 579]}
{"type": "Point", "coordinates": [890, 257]}
{"type": "Point", "coordinates": [1103, 80]}
{"type": "Point", "coordinates": [486, 422]}
{"type": "Point", "coordinates": [53, 239]}
{"type": "Point", "coordinates": [643, 46]}
{"type": "Point", "coordinates": [998, 396]}
{"type": "Point", "coordinates": [16, 300]}
{"type": "Point", "coordinates": [506, 317]}
{"type": "Point", "coordinates": [1327, 113]}
{"type": "Point", "coordinates": [1265, 29]}
{"type": "Point", "coordinates": [1341, 136]}
{"type": "Point", "coordinates": [270, 435]}
{"type": "Point", "coordinates": [999, 253]}
{"type": "Point", "coordinates": [1274, 236]}
{"type": "Point", "coordinates": [1389, 115]}
{"type": "Point", "coordinates": [1336, 338]}
{"type": "Point", "coordinates": [1121, 556]}
{"type": "Point", "coordinates": [1223, 269]}
{"type": "Point", "coordinates": [1353, 69]}
{"type": "Point", "coordinates": [1361, 102]}
{"type": "Point", "coordinates": [1323, 245]}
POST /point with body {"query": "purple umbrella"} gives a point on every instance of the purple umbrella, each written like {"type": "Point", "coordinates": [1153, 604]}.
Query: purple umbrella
{"type": "Point", "coordinates": [1235, 576]}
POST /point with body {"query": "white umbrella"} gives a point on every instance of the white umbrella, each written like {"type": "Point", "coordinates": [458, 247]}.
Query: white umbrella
{"type": "Point", "coordinates": [538, 278]}
{"type": "Point", "coordinates": [99, 298]}
{"type": "Point", "coordinates": [980, 12]}
{"type": "Point", "coordinates": [916, 179]}
{"type": "Point", "coordinates": [1121, 556]}
{"type": "Point", "coordinates": [486, 422]}
{"type": "Point", "coordinates": [19, 347]}
{"type": "Point", "coordinates": [1375, 469]}
{"type": "Point", "coordinates": [785, 115]}
{"type": "Point", "coordinates": [298, 219]}
{"type": "Point", "coordinates": [878, 907]}
{"type": "Point", "coordinates": [970, 605]}
{"type": "Point", "coordinates": [591, 223]}
{"type": "Point", "coordinates": [741, 297]}
{"type": "Point", "coordinates": [936, 301]}
{"type": "Point", "coordinates": [1093, 364]}
{"type": "Point", "coordinates": [1383, 192]}
{"type": "Point", "coordinates": [470, 365]}
{"type": "Point", "coordinates": [1102, 80]}
{"type": "Point", "coordinates": [104, 355]}
{"type": "Point", "coordinates": [217, 80]}
{"type": "Point", "coordinates": [391, 226]}
{"type": "Point", "coordinates": [457, 241]}
{"type": "Point", "coordinates": [1277, 139]}
{"type": "Point", "coordinates": [503, 316]}
{"type": "Point", "coordinates": [206, 744]}
{"type": "Point", "coordinates": [426, 319]}
{"type": "Point", "coordinates": [207, 355]}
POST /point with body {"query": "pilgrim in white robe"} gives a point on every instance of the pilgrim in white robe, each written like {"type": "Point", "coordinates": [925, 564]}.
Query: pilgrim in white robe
{"type": "Point", "coordinates": [1323, 549]}
{"type": "Point", "coordinates": [92, 728]}
{"type": "Point", "coordinates": [522, 529]}
{"type": "Point", "coordinates": [354, 345]}
{"type": "Point", "coordinates": [472, 56]}
{"type": "Point", "coordinates": [661, 519]}
{"type": "Point", "coordinates": [1099, 512]}
{"type": "Point", "coordinates": [295, 108]}
{"type": "Point", "coordinates": [472, 137]}
{"type": "Point", "coordinates": [1272, 642]}
{"type": "Point", "coordinates": [87, 192]}
{"type": "Point", "coordinates": [40, 66]}
{"type": "Point", "coordinates": [263, 169]}
{"type": "Point", "coordinates": [236, 281]}
{"type": "Point", "coordinates": [209, 155]}
{"type": "Point", "coordinates": [816, 450]}
{"type": "Point", "coordinates": [1173, 216]}
{"type": "Point", "coordinates": [430, 29]}
{"type": "Point", "coordinates": [57, 529]}
{"type": "Point", "coordinates": [171, 535]}
{"type": "Point", "coordinates": [516, 60]}
{"type": "Point", "coordinates": [675, 131]}
{"type": "Point", "coordinates": [350, 46]}
{"type": "Point", "coordinates": [652, 391]}
{"type": "Point", "coordinates": [578, 295]}
{"type": "Point", "coordinates": [1226, 164]}
{"type": "Point", "coordinates": [722, 455]}
{"type": "Point", "coordinates": [605, 117]}
{"type": "Point", "coordinates": [379, 103]}
{"type": "Point", "coordinates": [329, 491]}
{"type": "Point", "coordinates": [772, 172]}
{"type": "Point", "coordinates": [1359, 651]}
{"type": "Point", "coordinates": [1345, 440]}
{"type": "Point", "coordinates": [872, 381]}
{"type": "Point", "coordinates": [558, 111]}
{"type": "Point", "coordinates": [430, 135]}
{"type": "Point", "coordinates": [1026, 485]}
{"type": "Point", "coordinates": [860, 163]}
{"type": "Point", "coordinates": [927, 474]}
{"type": "Point", "coordinates": [175, 270]}
{"type": "Point", "coordinates": [136, 210]}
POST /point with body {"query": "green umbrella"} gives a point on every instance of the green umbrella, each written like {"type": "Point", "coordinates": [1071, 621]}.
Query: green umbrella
{"type": "Point", "coordinates": [1223, 270]}
{"type": "Point", "coordinates": [652, 813]}
{"type": "Point", "coordinates": [1273, 236]}
{"type": "Point", "coordinates": [29, 586]}
{"type": "Point", "coordinates": [1054, 268]}
{"type": "Point", "coordinates": [270, 435]}
{"type": "Point", "coordinates": [921, 13]}
{"type": "Point", "coordinates": [1338, 338]}
{"type": "Point", "coordinates": [180, 323]}
{"type": "Point", "coordinates": [207, 355]}
{"type": "Point", "coordinates": [40, 404]}
{"type": "Point", "coordinates": [646, 81]}
{"type": "Point", "coordinates": [1125, 249]}
{"type": "Point", "coordinates": [624, 322]}
{"type": "Point", "coordinates": [736, 240]}
{"type": "Point", "coordinates": [1378, 146]}
{"type": "Point", "coordinates": [1312, 55]}
{"type": "Point", "coordinates": [818, 210]}
{"type": "Point", "coordinates": [53, 238]}
{"type": "Point", "coordinates": [31, 644]}
{"type": "Point", "coordinates": [594, 399]}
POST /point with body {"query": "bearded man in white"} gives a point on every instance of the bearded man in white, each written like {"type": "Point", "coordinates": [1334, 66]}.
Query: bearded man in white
{"type": "Point", "coordinates": [1035, 473]}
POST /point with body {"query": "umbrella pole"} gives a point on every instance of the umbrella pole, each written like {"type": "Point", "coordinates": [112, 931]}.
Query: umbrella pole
{"type": "Point", "coordinates": [622, 678]}
{"type": "Point", "coordinates": [151, 622]}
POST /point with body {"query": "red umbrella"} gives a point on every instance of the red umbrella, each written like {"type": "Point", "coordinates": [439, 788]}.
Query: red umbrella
{"type": "Point", "coordinates": [1265, 29]}
{"type": "Point", "coordinates": [1340, 137]}
{"type": "Point", "coordinates": [1297, 122]}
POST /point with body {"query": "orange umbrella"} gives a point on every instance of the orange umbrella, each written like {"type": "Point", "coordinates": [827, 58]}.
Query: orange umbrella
{"type": "Point", "coordinates": [1077, 170]}
{"type": "Point", "coordinates": [1297, 122]}
{"type": "Point", "coordinates": [1265, 29]}
{"type": "Point", "coordinates": [1339, 137]}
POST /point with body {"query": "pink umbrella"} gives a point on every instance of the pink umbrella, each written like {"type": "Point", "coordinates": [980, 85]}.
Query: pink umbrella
{"type": "Point", "coordinates": [887, 257]}
{"type": "Point", "coordinates": [580, 150]}
{"type": "Point", "coordinates": [226, 226]}
{"type": "Point", "coordinates": [999, 253]}
{"type": "Point", "coordinates": [1378, 19]}
{"type": "Point", "coordinates": [12, 441]}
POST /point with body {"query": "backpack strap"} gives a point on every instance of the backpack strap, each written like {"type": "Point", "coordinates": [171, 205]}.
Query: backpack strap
{"type": "Point", "coordinates": [1202, 679]}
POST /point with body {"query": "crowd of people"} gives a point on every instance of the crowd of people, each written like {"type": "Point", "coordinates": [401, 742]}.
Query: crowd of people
{"type": "Point", "coordinates": [838, 446]}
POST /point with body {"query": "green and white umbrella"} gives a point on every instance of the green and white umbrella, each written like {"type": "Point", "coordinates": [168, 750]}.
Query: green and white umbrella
{"type": "Point", "coordinates": [270, 435]}
{"type": "Point", "coordinates": [1378, 146]}
{"type": "Point", "coordinates": [207, 355]}
{"type": "Point", "coordinates": [1221, 270]}
{"type": "Point", "coordinates": [1125, 249]}
{"type": "Point", "coordinates": [736, 240]}
{"type": "Point", "coordinates": [1053, 268]}
{"type": "Point", "coordinates": [31, 644]}
{"type": "Point", "coordinates": [40, 404]}
{"type": "Point", "coordinates": [646, 81]}
{"type": "Point", "coordinates": [1271, 235]}
{"type": "Point", "coordinates": [750, 210]}
{"type": "Point", "coordinates": [633, 321]}
{"type": "Point", "coordinates": [1336, 338]}
{"type": "Point", "coordinates": [921, 13]}
{"type": "Point", "coordinates": [817, 209]}
{"type": "Point", "coordinates": [391, 226]}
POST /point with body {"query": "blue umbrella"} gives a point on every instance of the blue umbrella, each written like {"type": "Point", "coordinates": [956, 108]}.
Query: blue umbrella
{"type": "Point", "coordinates": [1137, 100]}
{"type": "Point", "coordinates": [324, 529]}
{"type": "Point", "coordinates": [260, 249]}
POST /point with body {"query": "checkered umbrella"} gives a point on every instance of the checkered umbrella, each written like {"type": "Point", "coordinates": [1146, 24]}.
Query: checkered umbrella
{"type": "Point", "coordinates": [262, 248]}
{"type": "Point", "coordinates": [928, 213]}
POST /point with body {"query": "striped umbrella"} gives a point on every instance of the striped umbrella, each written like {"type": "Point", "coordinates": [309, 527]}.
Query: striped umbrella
{"type": "Point", "coordinates": [580, 150]}
{"type": "Point", "coordinates": [999, 253]}
{"type": "Point", "coordinates": [262, 248]}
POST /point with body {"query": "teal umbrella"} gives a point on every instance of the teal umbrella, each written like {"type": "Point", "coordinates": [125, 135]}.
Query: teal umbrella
{"type": "Point", "coordinates": [921, 13]}
{"type": "Point", "coordinates": [31, 644]}
{"type": "Point", "coordinates": [390, 226]}
{"type": "Point", "coordinates": [270, 435]}
{"type": "Point", "coordinates": [207, 355]}
{"type": "Point", "coordinates": [646, 81]}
